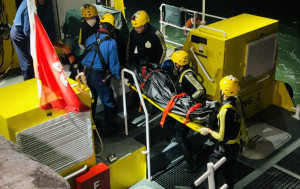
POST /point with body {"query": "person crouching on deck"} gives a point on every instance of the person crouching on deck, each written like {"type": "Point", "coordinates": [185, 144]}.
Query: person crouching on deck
{"type": "Point", "coordinates": [100, 62]}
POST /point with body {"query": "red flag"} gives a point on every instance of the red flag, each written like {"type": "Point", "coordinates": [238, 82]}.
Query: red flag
{"type": "Point", "coordinates": [54, 89]}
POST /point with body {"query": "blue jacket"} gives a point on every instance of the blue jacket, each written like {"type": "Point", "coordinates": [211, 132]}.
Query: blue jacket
{"type": "Point", "coordinates": [109, 52]}
{"type": "Point", "coordinates": [22, 19]}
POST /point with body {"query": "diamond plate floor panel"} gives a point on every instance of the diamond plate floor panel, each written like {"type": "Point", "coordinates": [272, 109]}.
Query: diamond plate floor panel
{"type": "Point", "coordinates": [291, 161]}
{"type": "Point", "coordinates": [274, 179]}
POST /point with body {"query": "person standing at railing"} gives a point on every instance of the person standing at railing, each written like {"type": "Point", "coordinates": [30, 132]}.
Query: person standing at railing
{"type": "Point", "coordinates": [230, 120]}
{"type": "Point", "coordinates": [191, 24]}
{"type": "Point", "coordinates": [189, 84]}
{"type": "Point", "coordinates": [150, 43]}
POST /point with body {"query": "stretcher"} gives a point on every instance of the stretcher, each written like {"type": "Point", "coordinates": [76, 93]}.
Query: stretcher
{"type": "Point", "coordinates": [157, 87]}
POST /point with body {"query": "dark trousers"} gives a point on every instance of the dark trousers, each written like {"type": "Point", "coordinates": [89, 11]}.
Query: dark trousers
{"type": "Point", "coordinates": [104, 92]}
{"type": "Point", "coordinates": [22, 46]}
{"type": "Point", "coordinates": [230, 152]}
{"type": "Point", "coordinates": [180, 131]}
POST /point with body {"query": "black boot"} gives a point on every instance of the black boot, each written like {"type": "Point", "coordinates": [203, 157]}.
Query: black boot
{"type": "Point", "coordinates": [191, 167]}
{"type": "Point", "coordinates": [110, 126]}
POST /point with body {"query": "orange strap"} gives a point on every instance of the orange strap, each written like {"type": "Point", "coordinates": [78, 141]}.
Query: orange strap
{"type": "Point", "coordinates": [143, 71]}
{"type": "Point", "coordinates": [193, 108]}
{"type": "Point", "coordinates": [146, 77]}
{"type": "Point", "coordinates": [169, 106]}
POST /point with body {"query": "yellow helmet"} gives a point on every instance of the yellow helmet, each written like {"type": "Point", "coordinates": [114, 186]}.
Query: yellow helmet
{"type": "Point", "coordinates": [88, 10]}
{"type": "Point", "coordinates": [108, 18]}
{"type": "Point", "coordinates": [180, 57]}
{"type": "Point", "coordinates": [139, 18]}
{"type": "Point", "coordinates": [230, 85]}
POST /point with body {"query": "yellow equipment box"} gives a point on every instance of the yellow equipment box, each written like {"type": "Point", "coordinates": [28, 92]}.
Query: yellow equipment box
{"type": "Point", "coordinates": [62, 141]}
{"type": "Point", "coordinates": [243, 46]}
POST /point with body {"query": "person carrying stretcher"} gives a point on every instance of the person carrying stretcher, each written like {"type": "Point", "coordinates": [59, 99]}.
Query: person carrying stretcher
{"type": "Point", "coordinates": [189, 84]}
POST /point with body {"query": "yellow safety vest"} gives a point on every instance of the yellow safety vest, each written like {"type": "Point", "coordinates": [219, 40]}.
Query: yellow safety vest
{"type": "Point", "coordinates": [243, 134]}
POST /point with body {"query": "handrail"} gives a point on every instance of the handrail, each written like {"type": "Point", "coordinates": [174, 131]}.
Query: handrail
{"type": "Point", "coordinates": [202, 67]}
{"type": "Point", "coordinates": [202, 26]}
{"type": "Point", "coordinates": [255, 84]}
{"type": "Point", "coordinates": [297, 114]}
{"type": "Point", "coordinates": [163, 23]}
{"type": "Point", "coordinates": [76, 172]}
{"type": "Point", "coordinates": [192, 11]}
{"type": "Point", "coordinates": [147, 152]}
{"type": "Point", "coordinates": [209, 174]}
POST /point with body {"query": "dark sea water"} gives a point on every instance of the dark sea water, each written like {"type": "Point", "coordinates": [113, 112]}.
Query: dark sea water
{"type": "Point", "coordinates": [288, 61]}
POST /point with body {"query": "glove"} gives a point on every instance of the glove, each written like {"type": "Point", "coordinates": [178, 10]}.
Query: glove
{"type": "Point", "coordinates": [204, 131]}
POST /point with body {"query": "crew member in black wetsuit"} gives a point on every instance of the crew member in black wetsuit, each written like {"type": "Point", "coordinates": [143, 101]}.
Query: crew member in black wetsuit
{"type": "Point", "coordinates": [230, 120]}
{"type": "Point", "coordinates": [89, 25]}
{"type": "Point", "coordinates": [188, 84]}
{"type": "Point", "coordinates": [150, 43]}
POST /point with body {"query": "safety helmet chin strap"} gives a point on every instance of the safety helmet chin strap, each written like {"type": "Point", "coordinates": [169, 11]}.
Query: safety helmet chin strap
{"type": "Point", "coordinates": [221, 95]}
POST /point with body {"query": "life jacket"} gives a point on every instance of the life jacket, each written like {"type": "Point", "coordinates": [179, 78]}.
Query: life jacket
{"type": "Point", "coordinates": [242, 137]}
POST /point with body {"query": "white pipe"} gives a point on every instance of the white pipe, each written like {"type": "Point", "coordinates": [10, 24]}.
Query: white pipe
{"type": "Point", "coordinates": [202, 67]}
{"type": "Point", "coordinates": [146, 117]}
{"type": "Point", "coordinates": [259, 81]}
{"type": "Point", "coordinates": [174, 42]}
{"type": "Point", "coordinates": [297, 114]}
{"type": "Point", "coordinates": [76, 172]}
{"type": "Point", "coordinates": [225, 186]}
{"type": "Point", "coordinates": [219, 163]}
{"type": "Point", "coordinates": [164, 24]}
{"type": "Point", "coordinates": [210, 174]}
{"type": "Point", "coordinates": [202, 178]}
{"type": "Point", "coordinates": [203, 13]}
{"type": "Point", "coordinates": [161, 18]}
{"type": "Point", "coordinates": [211, 177]}
{"type": "Point", "coordinates": [224, 33]}
{"type": "Point", "coordinates": [124, 102]}
{"type": "Point", "coordinates": [191, 11]}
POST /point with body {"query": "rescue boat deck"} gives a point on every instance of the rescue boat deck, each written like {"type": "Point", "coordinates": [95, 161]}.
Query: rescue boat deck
{"type": "Point", "coordinates": [278, 168]}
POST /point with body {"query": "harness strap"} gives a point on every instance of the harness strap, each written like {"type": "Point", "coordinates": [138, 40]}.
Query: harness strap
{"type": "Point", "coordinates": [95, 47]}
{"type": "Point", "coordinates": [143, 71]}
{"type": "Point", "coordinates": [193, 108]}
{"type": "Point", "coordinates": [169, 106]}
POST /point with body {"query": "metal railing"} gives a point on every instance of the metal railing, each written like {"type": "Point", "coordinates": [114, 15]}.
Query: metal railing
{"type": "Point", "coordinates": [203, 14]}
{"type": "Point", "coordinates": [209, 174]}
{"type": "Point", "coordinates": [297, 114]}
{"type": "Point", "coordinates": [202, 67]}
{"type": "Point", "coordinates": [147, 152]}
